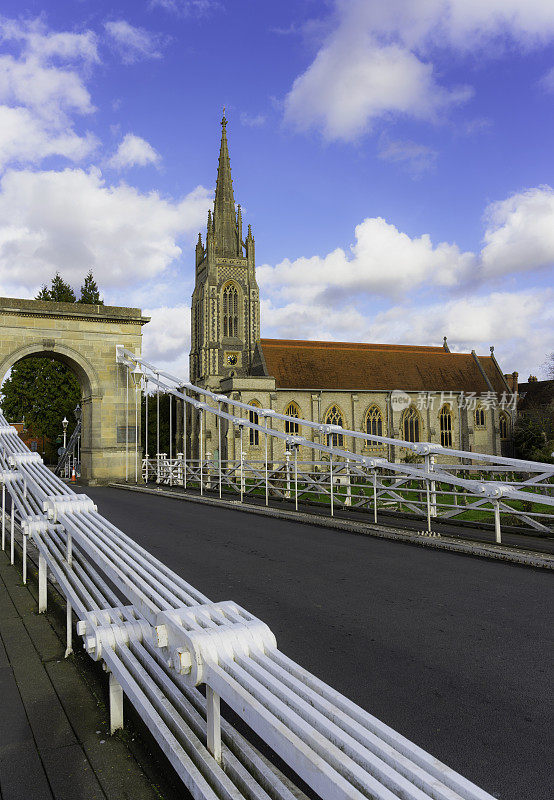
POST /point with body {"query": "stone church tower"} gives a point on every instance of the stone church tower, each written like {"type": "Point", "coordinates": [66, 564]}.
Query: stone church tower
{"type": "Point", "coordinates": [225, 311]}
{"type": "Point", "coordinates": [353, 385]}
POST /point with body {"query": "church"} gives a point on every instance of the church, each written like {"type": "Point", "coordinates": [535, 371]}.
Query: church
{"type": "Point", "coordinates": [409, 392]}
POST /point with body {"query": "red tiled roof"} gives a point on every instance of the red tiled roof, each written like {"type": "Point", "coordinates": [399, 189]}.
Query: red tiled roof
{"type": "Point", "coordinates": [297, 364]}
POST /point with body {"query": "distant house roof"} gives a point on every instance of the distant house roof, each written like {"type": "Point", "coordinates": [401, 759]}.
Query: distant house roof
{"type": "Point", "coordinates": [536, 393]}
{"type": "Point", "coordinates": [297, 364]}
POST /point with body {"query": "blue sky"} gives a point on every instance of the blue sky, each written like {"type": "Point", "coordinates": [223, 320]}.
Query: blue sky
{"type": "Point", "coordinates": [395, 161]}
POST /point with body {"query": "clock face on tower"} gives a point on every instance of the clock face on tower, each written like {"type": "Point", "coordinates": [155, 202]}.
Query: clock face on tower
{"type": "Point", "coordinates": [231, 359]}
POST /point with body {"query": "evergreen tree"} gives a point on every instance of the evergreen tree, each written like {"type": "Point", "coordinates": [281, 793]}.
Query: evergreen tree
{"type": "Point", "coordinates": [151, 446]}
{"type": "Point", "coordinates": [41, 392]}
{"type": "Point", "coordinates": [90, 292]}
{"type": "Point", "coordinates": [44, 294]}
{"type": "Point", "coordinates": [60, 291]}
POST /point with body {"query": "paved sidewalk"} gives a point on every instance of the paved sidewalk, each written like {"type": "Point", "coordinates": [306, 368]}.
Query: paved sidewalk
{"type": "Point", "coordinates": [54, 731]}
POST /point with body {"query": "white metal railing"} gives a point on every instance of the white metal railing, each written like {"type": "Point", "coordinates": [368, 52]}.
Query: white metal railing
{"type": "Point", "coordinates": [478, 485]}
{"type": "Point", "coordinates": [343, 484]}
{"type": "Point", "coordinates": [160, 639]}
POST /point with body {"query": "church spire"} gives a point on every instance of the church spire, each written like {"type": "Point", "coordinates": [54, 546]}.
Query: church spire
{"type": "Point", "coordinates": [225, 221]}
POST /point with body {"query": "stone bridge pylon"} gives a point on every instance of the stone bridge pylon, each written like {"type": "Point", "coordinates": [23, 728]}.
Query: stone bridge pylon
{"type": "Point", "coordinates": [84, 337]}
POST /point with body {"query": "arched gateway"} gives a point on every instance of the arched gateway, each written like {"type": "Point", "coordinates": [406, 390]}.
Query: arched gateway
{"type": "Point", "coordinates": [84, 337]}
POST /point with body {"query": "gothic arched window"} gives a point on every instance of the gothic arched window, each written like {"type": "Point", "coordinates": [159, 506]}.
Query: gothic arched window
{"type": "Point", "coordinates": [230, 308]}
{"type": "Point", "coordinates": [255, 420]}
{"type": "Point", "coordinates": [410, 425]}
{"type": "Point", "coordinates": [480, 418]}
{"type": "Point", "coordinates": [504, 425]}
{"type": "Point", "coordinates": [334, 417]}
{"type": "Point", "coordinates": [292, 410]}
{"type": "Point", "coordinates": [374, 421]}
{"type": "Point", "coordinates": [445, 419]}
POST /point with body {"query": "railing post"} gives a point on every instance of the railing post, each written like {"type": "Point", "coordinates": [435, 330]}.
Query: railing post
{"type": "Point", "coordinates": [287, 470]}
{"type": "Point", "coordinates": [209, 466]}
{"type": "Point", "coordinates": [116, 704]}
{"type": "Point", "coordinates": [433, 488]}
{"type": "Point", "coordinates": [170, 439]}
{"type": "Point", "coordinates": [296, 477]}
{"type": "Point", "coordinates": [12, 535]}
{"type": "Point", "coordinates": [184, 444]}
{"type": "Point", "coordinates": [219, 448]}
{"type": "Point", "coordinates": [497, 530]}
{"type": "Point", "coordinates": [69, 610]}
{"type": "Point", "coordinates": [427, 468]}
{"type": "Point", "coordinates": [201, 454]}
{"type": "Point", "coordinates": [146, 426]}
{"type": "Point", "coordinates": [136, 431]}
{"type": "Point", "coordinates": [375, 495]}
{"type": "Point", "coordinates": [213, 723]}
{"type": "Point", "coordinates": [348, 500]}
{"type": "Point", "coordinates": [266, 471]}
{"type": "Point", "coordinates": [42, 584]}
{"type": "Point", "coordinates": [24, 556]}
{"type": "Point", "coordinates": [241, 464]}
{"type": "Point", "coordinates": [157, 413]}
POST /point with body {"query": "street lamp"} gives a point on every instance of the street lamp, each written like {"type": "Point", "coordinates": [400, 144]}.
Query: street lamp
{"type": "Point", "coordinates": [77, 412]}
{"type": "Point", "coordinates": [136, 375]}
{"type": "Point", "coordinates": [65, 423]}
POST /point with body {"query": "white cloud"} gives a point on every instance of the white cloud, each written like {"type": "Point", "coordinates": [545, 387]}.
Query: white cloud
{"type": "Point", "coordinates": [520, 233]}
{"type": "Point", "coordinates": [133, 151]}
{"type": "Point", "coordinates": [43, 45]}
{"type": "Point", "coordinates": [418, 158]}
{"type": "Point", "coordinates": [166, 338]}
{"type": "Point", "coordinates": [377, 59]}
{"type": "Point", "coordinates": [475, 323]}
{"type": "Point", "coordinates": [252, 121]}
{"type": "Point", "coordinates": [186, 8]}
{"type": "Point", "coordinates": [51, 91]}
{"type": "Point", "coordinates": [132, 43]}
{"type": "Point", "coordinates": [547, 81]}
{"type": "Point", "coordinates": [353, 81]}
{"type": "Point", "coordinates": [469, 323]}
{"type": "Point", "coordinates": [326, 297]}
{"type": "Point", "coordinates": [25, 138]}
{"type": "Point", "coordinates": [383, 260]}
{"type": "Point", "coordinates": [519, 238]}
{"type": "Point", "coordinates": [73, 221]}
{"type": "Point", "coordinates": [41, 88]}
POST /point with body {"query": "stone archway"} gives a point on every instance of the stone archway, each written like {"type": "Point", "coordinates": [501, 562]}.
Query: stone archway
{"type": "Point", "coordinates": [84, 337]}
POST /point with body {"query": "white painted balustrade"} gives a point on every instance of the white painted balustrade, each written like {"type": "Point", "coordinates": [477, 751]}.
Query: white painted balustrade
{"type": "Point", "coordinates": [161, 639]}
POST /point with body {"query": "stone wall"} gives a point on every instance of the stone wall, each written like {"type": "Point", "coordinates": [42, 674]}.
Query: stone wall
{"type": "Point", "coordinates": [84, 337]}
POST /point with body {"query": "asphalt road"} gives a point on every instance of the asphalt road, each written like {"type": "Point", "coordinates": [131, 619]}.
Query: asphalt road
{"type": "Point", "coordinates": [450, 650]}
{"type": "Point", "coordinates": [525, 541]}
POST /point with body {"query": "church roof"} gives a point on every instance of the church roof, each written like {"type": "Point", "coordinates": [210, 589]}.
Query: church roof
{"type": "Point", "coordinates": [297, 364]}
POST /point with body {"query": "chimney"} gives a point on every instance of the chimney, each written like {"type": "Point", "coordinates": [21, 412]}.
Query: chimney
{"type": "Point", "coordinates": [511, 380]}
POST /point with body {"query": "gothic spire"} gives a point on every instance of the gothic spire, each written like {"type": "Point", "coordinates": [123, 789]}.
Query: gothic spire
{"type": "Point", "coordinates": [226, 243]}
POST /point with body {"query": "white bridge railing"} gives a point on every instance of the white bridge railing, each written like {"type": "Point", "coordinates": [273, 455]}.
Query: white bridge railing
{"type": "Point", "coordinates": [161, 639]}
{"type": "Point", "coordinates": [474, 486]}
{"type": "Point", "coordinates": [343, 484]}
